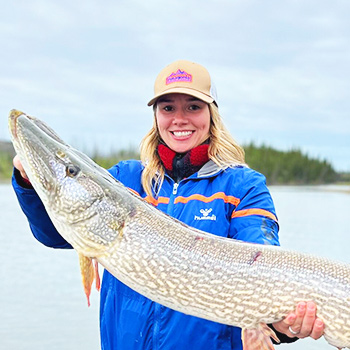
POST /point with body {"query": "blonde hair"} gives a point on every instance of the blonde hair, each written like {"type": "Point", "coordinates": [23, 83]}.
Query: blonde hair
{"type": "Point", "coordinates": [223, 151]}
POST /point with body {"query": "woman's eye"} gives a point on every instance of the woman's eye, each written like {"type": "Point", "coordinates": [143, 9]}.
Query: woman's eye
{"type": "Point", "coordinates": [194, 107]}
{"type": "Point", "coordinates": [168, 108]}
{"type": "Point", "coordinates": [72, 170]}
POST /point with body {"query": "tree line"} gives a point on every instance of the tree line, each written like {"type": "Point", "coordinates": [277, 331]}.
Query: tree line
{"type": "Point", "coordinates": [6, 155]}
{"type": "Point", "coordinates": [279, 167]}
{"type": "Point", "coordinates": [289, 167]}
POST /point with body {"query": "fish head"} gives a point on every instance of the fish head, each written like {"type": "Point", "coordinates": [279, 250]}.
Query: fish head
{"type": "Point", "coordinates": [67, 181]}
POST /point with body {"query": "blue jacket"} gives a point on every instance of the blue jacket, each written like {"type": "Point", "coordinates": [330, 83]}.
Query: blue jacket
{"type": "Point", "coordinates": [232, 203]}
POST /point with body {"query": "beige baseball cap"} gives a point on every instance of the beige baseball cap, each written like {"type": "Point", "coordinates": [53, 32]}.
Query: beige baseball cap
{"type": "Point", "coordinates": [184, 77]}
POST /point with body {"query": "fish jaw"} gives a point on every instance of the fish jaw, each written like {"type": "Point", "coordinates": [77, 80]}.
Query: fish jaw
{"type": "Point", "coordinates": [34, 156]}
{"type": "Point", "coordinates": [46, 161]}
{"type": "Point", "coordinates": [68, 183]}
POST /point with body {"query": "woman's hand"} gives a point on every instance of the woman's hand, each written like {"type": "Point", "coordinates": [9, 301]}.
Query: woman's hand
{"type": "Point", "coordinates": [18, 165]}
{"type": "Point", "coordinates": [302, 322]}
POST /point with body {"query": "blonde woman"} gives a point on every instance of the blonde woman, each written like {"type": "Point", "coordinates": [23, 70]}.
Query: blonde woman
{"type": "Point", "coordinates": [192, 169]}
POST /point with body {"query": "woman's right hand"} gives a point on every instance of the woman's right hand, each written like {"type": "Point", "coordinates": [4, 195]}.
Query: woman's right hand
{"type": "Point", "coordinates": [18, 165]}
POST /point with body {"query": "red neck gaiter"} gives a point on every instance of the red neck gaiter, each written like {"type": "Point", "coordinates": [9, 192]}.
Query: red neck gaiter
{"type": "Point", "coordinates": [182, 165]}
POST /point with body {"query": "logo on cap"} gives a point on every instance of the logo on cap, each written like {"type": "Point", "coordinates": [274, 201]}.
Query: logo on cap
{"type": "Point", "coordinates": [180, 75]}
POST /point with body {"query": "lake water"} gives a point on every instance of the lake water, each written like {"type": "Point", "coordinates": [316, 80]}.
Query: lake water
{"type": "Point", "coordinates": [42, 302]}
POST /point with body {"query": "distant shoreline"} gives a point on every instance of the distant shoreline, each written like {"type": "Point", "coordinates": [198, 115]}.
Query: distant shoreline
{"type": "Point", "coordinates": [292, 168]}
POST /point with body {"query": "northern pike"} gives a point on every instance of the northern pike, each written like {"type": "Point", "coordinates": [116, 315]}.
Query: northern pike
{"type": "Point", "coordinates": [194, 272]}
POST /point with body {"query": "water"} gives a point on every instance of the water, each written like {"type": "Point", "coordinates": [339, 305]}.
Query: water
{"type": "Point", "coordinates": [42, 301]}
{"type": "Point", "coordinates": [314, 220]}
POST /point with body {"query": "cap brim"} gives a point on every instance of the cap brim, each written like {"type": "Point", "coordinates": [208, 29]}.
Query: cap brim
{"type": "Point", "coordinates": [186, 91]}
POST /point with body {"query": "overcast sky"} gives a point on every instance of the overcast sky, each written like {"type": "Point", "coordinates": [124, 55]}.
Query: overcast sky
{"type": "Point", "coordinates": [281, 68]}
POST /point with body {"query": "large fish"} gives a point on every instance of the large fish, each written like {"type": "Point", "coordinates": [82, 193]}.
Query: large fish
{"type": "Point", "coordinates": [219, 279]}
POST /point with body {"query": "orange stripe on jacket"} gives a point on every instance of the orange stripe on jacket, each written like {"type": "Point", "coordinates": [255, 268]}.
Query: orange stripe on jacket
{"type": "Point", "coordinates": [220, 195]}
{"type": "Point", "coordinates": [152, 200]}
{"type": "Point", "coordinates": [247, 212]}
{"type": "Point", "coordinates": [155, 202]}
{"type": "Point", "coordinates": [199, 197]}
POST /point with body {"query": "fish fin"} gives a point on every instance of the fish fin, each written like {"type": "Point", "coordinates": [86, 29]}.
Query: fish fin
{"type": "Point", "coordinates": [97, 276]}
{"type": "Point", "coordinates": [258, 338]}
{"type": "Point", "coordinates": [87, 274]}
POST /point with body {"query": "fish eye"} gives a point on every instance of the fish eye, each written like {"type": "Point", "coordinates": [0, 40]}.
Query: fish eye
{"type": "Point", "coordinates": [72, 170]}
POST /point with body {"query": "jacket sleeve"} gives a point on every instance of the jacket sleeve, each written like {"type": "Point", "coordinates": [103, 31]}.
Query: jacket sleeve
{"type": "Point", "coordinates": [39, 222]}
{"type": "Point", "coordinates": [254, 218]}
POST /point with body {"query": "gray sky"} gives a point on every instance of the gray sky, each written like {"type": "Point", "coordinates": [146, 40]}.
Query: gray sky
{"type": "Point", "coordinates": [87, 68]}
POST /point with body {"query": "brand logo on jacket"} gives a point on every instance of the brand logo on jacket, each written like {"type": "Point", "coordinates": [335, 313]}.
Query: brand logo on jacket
{"type": "Point", "coordinates": [206, 215]}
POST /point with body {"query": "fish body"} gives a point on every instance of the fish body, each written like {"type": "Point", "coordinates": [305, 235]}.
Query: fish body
{"type": "Point", "coordinates": [197, 273]}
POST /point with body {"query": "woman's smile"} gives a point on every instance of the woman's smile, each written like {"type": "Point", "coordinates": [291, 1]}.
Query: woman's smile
{"type": "Point", "coordinates": [183, 121]}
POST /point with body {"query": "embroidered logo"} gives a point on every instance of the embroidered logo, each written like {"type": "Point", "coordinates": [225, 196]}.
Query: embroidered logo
{"type": "Point", "coordinates": [205, 215]}
{"type": "Point", "coordinates": [180, 75]}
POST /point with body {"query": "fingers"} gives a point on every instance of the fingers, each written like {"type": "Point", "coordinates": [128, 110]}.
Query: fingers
{"type": "Point", "coordinates": [318, 329]}
{"type": "Point", "coordinates": [283, 325]}
{"type": "Point", "coordinates": [18, 165]}
{"type": "Point", "coordinates": [306, 323]}
{"type": "Point", "coordinates": [302, 322]}
{"type": "Point", "coordinates": [299, 322]}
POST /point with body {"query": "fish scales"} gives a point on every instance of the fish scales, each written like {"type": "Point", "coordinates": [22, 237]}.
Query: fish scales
{"type": "Point", "coordinates": [245, 283]}
{"type": "Point", "coordinates": [188, 270]}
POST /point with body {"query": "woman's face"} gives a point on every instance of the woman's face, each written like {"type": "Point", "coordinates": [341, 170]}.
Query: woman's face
{"type": "Point", "coordinates": [183, 121]}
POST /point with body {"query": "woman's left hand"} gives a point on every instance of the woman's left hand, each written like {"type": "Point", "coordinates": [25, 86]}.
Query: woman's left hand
{"type": "Point", "coordinates": [302, 322]}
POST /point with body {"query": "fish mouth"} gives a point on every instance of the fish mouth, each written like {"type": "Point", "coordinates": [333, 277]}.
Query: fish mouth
{"type": "Point", "coordinates": [14, 115]}
{"type": "Point", "coordinates": [36, 144]}
{"type": "Point", "coordinates": [41, 150]}
{"type": "Point", "coordinates": [13, 123]}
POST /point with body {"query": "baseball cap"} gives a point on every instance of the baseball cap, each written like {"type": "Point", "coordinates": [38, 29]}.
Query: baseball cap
{"type": "Point", "coordinates": [184, 77]}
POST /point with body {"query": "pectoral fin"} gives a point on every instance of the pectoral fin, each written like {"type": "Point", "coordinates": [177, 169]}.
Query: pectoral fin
{"type": "Point", "coordinates": [258, 338]}
{"type": "Point", "coordinates": [89, 273]}
{"type": "Point", "coordinates": [97, 276]}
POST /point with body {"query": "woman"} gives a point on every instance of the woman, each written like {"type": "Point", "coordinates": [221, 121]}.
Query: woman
{"type": "Point", "coordinates": [192, 169]}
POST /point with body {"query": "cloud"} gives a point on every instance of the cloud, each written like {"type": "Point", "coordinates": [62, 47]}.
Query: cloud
{"type": "Point", "coordinates": [281, 69]}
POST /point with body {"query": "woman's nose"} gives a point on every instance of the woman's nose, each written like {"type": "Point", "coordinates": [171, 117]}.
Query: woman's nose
{"type": "Point", "coordinates": [180, 118]}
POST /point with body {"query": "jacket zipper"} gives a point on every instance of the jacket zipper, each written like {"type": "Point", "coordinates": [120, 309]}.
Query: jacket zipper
{"type": "Point", "coordinates": [175, 186]}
